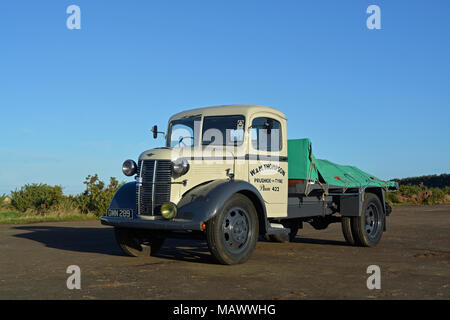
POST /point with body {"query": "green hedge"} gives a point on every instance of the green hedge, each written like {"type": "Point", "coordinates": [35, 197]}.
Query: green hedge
{"type": "Point", "coordinates": [41, 198]}
{"type": "Point", "coordinates": [418, 194]}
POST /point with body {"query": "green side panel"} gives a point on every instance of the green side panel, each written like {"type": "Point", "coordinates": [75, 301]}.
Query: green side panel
{"type": "Point", "coordinates": [300, 160]}
{"type": "Point", "coordinates": [303, 165]}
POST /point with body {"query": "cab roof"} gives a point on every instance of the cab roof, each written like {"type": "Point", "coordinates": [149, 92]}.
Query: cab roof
{"type": "Point", "coordinates": [232, 109]}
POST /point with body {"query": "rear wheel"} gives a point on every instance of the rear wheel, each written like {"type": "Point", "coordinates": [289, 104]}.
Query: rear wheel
{"type": "Point", "coordinates": [233, 232]}
{"type": "Point", "coordinates": [368, 228]}
{"type": "Point", "coordinates": [138, 243]}
{"type": "Point", "coordinates": [347, 230]}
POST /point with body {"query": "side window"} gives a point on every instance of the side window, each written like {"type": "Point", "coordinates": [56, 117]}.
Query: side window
{"type": "Point", "coordinates": [223, 130]}
{"type": "Point", "coordinates": [266, 134]}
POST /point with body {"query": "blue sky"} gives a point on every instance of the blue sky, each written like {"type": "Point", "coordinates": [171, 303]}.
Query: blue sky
{"type": "Point", "coordinates": [77, 102]}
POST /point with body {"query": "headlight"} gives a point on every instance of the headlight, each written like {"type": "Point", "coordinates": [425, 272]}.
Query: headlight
{"type": "Point", "coordinates": [168, 210]}
{"type": "Point", "coordinates": [180, 166]}
{"type": "Point", "coordinates": [129, 167]}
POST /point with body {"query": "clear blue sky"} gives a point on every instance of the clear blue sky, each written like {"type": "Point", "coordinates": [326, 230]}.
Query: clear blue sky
{"type": "Point", "coordinates": [77, 102]}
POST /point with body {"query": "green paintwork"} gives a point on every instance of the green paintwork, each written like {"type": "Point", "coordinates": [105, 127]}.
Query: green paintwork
{"type": "Point", "coordinates": [300, 160]}
{"type": "Point", "coordinates": [303, 165]}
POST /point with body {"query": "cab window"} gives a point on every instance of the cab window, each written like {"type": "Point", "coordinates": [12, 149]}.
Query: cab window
{"type": "Point", "coordinates": [184, 132]}
{"type": "Point", "coordinates": [223, 130]}
{"type": "Point", "coordinates": [266, 134]}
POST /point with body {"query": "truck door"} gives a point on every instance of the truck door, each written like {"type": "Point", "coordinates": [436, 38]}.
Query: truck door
{"type": "Point", "coordinates": [267, 164]}
{"type": "Point", "coordinates": [223, 147]}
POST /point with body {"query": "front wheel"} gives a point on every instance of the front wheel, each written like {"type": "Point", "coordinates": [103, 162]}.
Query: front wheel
{"type": "Point", "coordinates": [138, 243]}
{"type": "Point", "coordinates": [233, 232]}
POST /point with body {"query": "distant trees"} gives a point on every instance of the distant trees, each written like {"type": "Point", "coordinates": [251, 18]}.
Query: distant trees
{"type": "Point", "coordinates": [430, 190]}
{"type": "Point", "coordinates": [430, 181]}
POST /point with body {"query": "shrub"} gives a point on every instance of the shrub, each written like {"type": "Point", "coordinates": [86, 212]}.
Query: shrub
{"type": "Point", "coordinates": [69, 204]}
{"type": "Point", "coordinates": [3, 198]}
{"type": "Point", "coordinates": [410, 190]}
{"type": "Point", "coordinates": [97, 196]}
{"type": "Point", "coordinates": [392, 198]}
{"type": "Point", "coordinates": [437, 196]}
{"type": "Point", "coordinates": [39, 197]}
{"type": "Point", "coordinates": [447, 190]}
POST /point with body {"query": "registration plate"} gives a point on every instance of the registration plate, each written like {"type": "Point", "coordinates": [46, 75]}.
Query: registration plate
{"type": "Point", "coordinates": [120, 213]}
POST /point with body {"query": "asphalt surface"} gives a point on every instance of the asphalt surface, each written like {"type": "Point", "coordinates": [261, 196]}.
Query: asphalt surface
{"type": "Point", "coordinates": [413, 256]}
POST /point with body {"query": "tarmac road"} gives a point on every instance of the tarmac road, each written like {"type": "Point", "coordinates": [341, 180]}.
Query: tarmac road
{"type": "Point", "coordinates": [414, 258]}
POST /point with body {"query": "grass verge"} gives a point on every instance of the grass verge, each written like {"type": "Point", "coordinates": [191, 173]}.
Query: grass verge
{"type": "Point", "coordinates": [14, 217]}
{"type": "Point", "coordinates": [407, 204]}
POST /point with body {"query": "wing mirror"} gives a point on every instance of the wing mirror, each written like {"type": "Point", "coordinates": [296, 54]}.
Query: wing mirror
{"type": "Point", "coordinates": [155, 132]}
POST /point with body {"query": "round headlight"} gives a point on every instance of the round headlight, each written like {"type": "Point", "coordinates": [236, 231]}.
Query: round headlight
{"type": "Point", "coordinates": [168, 210]}
{"type": "Point", "coordinates": [180, 166]}
{"type": "Point", "coordinates": [129, 167]}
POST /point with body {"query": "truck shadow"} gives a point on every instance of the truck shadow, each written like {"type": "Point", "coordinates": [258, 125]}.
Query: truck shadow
{"type": "Point", "coordinates": [186, 250]}
{"type": "Point", "coordinates": [102, 241]}
{"type": "Point", "coordinates": [321, 242]}
{"type": "Point", "coordinates": [90, 240]}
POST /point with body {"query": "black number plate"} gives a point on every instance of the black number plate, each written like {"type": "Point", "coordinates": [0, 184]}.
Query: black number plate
{"type": "Point", "coordinates": [120, 213]}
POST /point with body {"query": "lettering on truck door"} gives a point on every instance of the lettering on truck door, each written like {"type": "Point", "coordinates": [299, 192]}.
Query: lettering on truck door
{"type": "Point", "coordinates": [268, 164]}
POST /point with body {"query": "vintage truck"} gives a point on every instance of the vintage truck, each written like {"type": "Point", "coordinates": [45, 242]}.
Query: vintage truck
{"type": "Point", "coordinates": [230, 175]}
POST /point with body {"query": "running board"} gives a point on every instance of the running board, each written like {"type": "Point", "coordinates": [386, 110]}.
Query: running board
{"type": "Point", "coordinates": [277, 228]}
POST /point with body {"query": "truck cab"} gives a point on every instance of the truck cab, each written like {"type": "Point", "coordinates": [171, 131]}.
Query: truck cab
{"type": "Point", "coordinates": [223, 175]}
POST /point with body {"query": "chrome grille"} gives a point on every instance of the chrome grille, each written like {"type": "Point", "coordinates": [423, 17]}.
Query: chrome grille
{"type": "Point", "coordinates": [155, 188]}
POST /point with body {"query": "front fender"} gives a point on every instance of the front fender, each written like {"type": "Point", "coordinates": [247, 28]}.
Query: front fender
{"type": "Point", "coordinates": [197, 205]}
{"type": "Point", "coordinates": [125, 198]}
{"type": "Point", "coordinates": [203, 202]}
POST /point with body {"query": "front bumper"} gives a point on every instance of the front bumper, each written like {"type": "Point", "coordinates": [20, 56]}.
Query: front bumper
{"type": "Point", "coordinates": [154, 224]}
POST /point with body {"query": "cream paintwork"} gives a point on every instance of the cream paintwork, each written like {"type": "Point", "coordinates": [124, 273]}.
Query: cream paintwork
{"type": "Point", "coordinates": [202, 170]}
{"type": "Point", "coordinates": [275, 192]}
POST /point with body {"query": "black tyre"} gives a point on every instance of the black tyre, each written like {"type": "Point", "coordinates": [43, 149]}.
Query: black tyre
{"type": "Point", "coordinates": [138, 243]}
{"type": "Point", "coordinates": [347, 230]}
{"type": "Point", "coordinates": [233, 232]}
{"type": "Point", "coordinates": [292, 224]}
{"type": "Point", "coordinates": [368, 228]}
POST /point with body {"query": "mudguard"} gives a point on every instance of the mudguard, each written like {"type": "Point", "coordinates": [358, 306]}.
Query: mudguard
{"type": "Point", "coordinates": [125, 198]}
{"type": "Point", "coordinates": [204, 201]}
{"type": "Point", "coordinates": [197, 205]}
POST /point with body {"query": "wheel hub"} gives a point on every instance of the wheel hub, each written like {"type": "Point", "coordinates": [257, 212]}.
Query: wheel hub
{"type": "Point", "coordinates": [235, 229]}
{"type": "Point", "coordinates": [372, 220]}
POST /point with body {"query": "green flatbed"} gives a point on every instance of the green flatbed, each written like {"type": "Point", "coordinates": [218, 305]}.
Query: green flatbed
{"type": "Point", "coordinates": [305, 167]}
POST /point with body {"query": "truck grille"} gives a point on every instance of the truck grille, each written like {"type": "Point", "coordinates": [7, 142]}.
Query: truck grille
{"type": "Point", "coordinates": [155, 188]}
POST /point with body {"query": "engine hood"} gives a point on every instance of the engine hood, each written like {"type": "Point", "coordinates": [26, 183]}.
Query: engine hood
{"type": "Point", "coordinates": [166, 153]}
{"type": "Point", "coordinates": [157, 154]}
